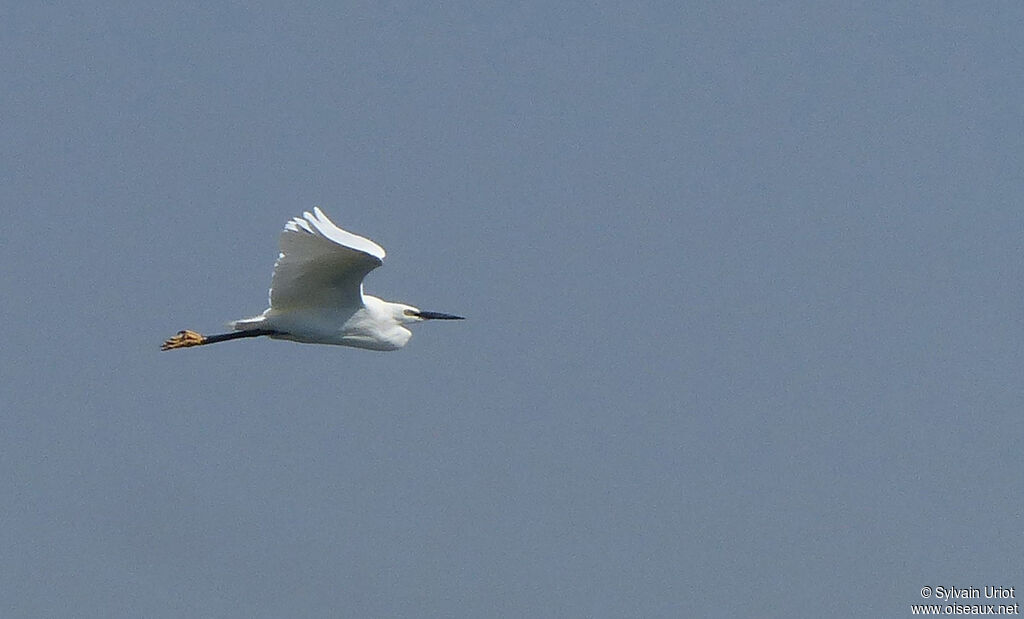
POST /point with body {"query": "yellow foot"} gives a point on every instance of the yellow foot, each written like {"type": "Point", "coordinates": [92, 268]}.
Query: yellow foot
{"type": "Point", "coordinates": [183, 339]}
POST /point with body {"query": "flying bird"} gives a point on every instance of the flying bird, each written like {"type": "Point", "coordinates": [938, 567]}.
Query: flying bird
{"type": "Point", "coordinates": [316, 294]}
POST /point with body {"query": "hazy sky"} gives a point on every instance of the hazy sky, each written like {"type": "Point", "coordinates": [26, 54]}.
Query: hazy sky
{"type": "Point", "coordinates": [742, 280]}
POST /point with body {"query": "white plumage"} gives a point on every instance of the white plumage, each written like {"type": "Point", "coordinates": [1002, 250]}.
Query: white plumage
{"type": "Point", "coordinates": [316, 294]}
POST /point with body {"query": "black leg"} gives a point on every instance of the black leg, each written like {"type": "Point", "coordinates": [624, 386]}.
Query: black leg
{"type": "Point", "coordinates": [184, 339]}
{"type": "Point", "coordinates": [234, 335]}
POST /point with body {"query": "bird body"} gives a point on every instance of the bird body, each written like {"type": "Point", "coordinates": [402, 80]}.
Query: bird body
{"type": "Point", "coordinates": [375, 326]}
{"type": "Point", "coordinates": [316, 294]}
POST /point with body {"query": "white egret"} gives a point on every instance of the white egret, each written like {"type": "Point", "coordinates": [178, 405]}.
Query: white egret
{"type": "Point", "coordinates": [316, 294]}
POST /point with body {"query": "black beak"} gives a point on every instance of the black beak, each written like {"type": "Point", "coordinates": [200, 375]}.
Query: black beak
{"type": "Point", "coordinates": [439, 316]}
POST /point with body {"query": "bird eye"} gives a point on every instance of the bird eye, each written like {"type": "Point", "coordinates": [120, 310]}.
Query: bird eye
{"type": "Point", "coordinates": [410, 312]}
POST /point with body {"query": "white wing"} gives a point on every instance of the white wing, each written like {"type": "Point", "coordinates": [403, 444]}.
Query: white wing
{"type": "Point", "coordinates": [321, 265]}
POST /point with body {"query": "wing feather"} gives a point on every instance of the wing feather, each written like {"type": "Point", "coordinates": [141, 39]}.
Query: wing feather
{"type": "Point", "coordinates": [321, 265]}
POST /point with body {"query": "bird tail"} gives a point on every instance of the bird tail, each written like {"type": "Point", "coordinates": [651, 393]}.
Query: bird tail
{"type": "Point", "coordinates": [247, 323]}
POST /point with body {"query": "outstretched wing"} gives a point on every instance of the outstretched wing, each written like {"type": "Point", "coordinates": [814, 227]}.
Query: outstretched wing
{"type": "Point", "coordinates": [321, 265]}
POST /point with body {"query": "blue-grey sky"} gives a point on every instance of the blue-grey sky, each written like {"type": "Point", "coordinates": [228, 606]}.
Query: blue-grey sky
{"type": "Point", "coordinates": [743, 288]}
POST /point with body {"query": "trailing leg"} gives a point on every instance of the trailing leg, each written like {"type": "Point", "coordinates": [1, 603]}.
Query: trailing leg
{"type": "Point", "coordinates": [186, 338]}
